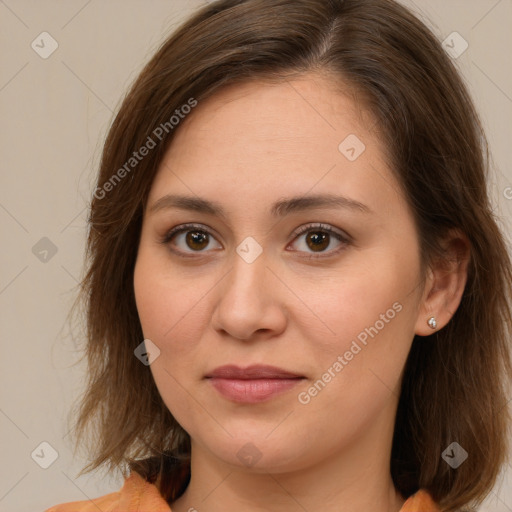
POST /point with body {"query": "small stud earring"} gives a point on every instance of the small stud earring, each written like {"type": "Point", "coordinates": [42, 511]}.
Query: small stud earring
{"type": "Point", "coordinates": [432, 322]}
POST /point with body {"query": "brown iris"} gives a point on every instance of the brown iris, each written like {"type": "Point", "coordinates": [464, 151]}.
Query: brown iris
{"type": "Point", "coordinates": [197, 239]}
{"type": "Point", "coordinates": [319, 240]}
{"type": "Point", "coordinates": [316, 240]}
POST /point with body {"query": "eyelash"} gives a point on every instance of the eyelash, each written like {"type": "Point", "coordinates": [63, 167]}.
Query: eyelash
{"type": "Point", "coordinates": [300, 231]}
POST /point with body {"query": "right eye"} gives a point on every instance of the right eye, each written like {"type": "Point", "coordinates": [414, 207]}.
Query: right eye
{"type": "Point", "coordinates": [192, 236]}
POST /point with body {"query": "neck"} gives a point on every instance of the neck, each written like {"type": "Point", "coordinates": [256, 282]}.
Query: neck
{"type": "Point", "coordinates": [235, 490]}
{"type": "Point", "coordinates": [354, 480]}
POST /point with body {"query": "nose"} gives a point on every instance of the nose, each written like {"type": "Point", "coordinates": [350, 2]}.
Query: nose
{"type": "Point", "coordinates": [250, 301]}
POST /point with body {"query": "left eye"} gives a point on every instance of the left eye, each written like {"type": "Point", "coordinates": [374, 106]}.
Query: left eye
{"type": "Point", "coordinates": [318, 238]}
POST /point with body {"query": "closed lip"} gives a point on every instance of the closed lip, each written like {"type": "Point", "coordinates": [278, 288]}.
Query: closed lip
{"type": "Point", "coordinates": [251, 373]}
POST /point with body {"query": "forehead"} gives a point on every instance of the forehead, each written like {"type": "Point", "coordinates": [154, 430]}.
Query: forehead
{"type": "Point", "coordinates": [306, 114]}
{"type": "Point", "coordinates": [261, 140]}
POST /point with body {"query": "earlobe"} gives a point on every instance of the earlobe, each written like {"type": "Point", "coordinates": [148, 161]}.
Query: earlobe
{"type": "Point", "coordinates": [445, 285]}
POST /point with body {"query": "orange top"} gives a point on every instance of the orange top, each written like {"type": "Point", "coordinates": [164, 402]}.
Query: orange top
{"type": "Point", "coordinates": [138, 495]}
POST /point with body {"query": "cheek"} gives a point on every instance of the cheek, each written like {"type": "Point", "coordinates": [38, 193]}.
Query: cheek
{"type": "Point", "coordinates": [169, 306]}
{"type": "Point", "coordinates": [358, 373]}
{"type": "Point", "coordinates": [369, 316]}
{"type": "Point", "coordinates": [170, 313]}
{"type": "Point", "coordinates": [362, 302]}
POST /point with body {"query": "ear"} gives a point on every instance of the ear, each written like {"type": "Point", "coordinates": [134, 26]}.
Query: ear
{"type": "Point", "coordinates": [445, 283]}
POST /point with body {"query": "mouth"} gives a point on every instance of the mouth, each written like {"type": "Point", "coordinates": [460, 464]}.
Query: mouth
{"type": "Point", "coordinates": [253, 384]}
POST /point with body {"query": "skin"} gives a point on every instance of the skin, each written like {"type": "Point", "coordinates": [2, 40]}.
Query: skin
{"type": "Point", "coordinates": [246, 147]}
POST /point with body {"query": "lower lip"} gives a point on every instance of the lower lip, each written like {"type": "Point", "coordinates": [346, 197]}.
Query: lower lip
{"type": "Point", "coordinates": [254, 390]}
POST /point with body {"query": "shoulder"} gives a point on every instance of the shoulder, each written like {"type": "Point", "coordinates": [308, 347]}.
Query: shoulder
{"type": "Point", "coordinates": [421, 501]}
{"type": "Point", "coordinates": [136, 495]}
{"type": "Point", "coordinates": [107, 503]}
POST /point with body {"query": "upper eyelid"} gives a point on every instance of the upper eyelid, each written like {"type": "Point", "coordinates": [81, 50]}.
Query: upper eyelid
{"type": "Point", "coordinates": [319, 226]}
{"type": "Point", "coordinates": [296, 232]}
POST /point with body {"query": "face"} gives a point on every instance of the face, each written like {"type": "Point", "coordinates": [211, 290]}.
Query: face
{"type": "Point", "coordinates": [282, 289]}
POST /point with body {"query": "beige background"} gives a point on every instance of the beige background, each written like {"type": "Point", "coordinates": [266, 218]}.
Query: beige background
{"type": "Point", "coordinates": [54, 114]}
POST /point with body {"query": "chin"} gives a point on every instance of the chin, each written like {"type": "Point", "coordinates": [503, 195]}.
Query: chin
{"type": "Point", "coordinates": [258, 453]}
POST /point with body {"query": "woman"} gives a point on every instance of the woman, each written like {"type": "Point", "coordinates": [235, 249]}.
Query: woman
{"type": "Point", "coordinates": [290, 298]}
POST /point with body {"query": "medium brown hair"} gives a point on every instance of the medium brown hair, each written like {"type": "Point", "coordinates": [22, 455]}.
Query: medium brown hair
{"type": "Point", "coordinates": [455, 382]}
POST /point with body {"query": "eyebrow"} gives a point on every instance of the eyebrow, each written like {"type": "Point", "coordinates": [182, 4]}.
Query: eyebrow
{"type": "Point", "coordinates": [279, 208]}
